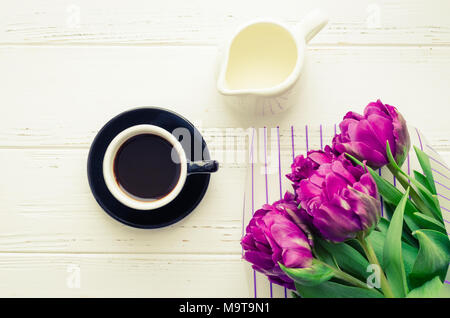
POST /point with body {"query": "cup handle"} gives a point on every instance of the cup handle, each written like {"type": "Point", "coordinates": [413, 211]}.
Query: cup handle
{"type": "Point", "coordinates": [205, 166]}
{"type": "Point", "coordinates": [312, 24]}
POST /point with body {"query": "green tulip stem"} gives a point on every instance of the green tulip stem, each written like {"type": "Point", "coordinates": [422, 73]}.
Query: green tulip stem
{"type": "Point", "coordinates": [371, 256]}
{"type": "Point", "coordinates": [345, 277]}
{"type": "Point", "coordinates": [414, 196]}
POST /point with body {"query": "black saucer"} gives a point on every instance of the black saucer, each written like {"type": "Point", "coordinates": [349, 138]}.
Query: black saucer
{"type": "Point", "coordinates": [189, 197]}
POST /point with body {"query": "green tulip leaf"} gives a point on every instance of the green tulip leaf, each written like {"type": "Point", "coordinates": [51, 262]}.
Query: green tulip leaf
{"type": "Point", "coordinates": [392, 251]}
{"type": "Point", "coordinates": [383, 225]}
{"type": "Point", "coordinates": [314, 275]}
{"type": "Point", "coordinates": [347, 258]}
{"type": "Point", "coordinates": [427, 197]}
{"type": "Point", "coordinates": [424, 162]}
{"type": "Point", "coordinates": [433, 257]}
{"type": "Point", "coordinates": [391, 157]}
{"type": "Point", "coordinates": [430, 223]}
{"type": "Point", "coordinates": [322, 254]}
{"type": "Point", "coordinates": [431, 289]}
{"type": "Point", "coordinates": [334, 290]}
{"type": "Point", "coordinates": [377, 240]}
{"type": "Point", "coordinates": [430, 200]}
{"type": "Point", "coordinates": [388, 209]}
{"type": "Point", "coordinates": [422, 179]}
{"type": "Point", "coordinates": [391, 194]}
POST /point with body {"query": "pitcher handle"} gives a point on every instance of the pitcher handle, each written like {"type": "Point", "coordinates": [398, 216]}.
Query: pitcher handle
{"type": "Point", "coordinates": [312, 24]}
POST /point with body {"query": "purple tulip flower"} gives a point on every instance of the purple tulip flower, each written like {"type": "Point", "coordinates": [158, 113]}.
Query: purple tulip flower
{"type": "Point", "coordinates": [303, 167]}
{"type": "Point", "coordinates": [365, 136]}
{"type": "Point", "coordinates": [341, 199]}
{"type": "Point", "coordinates": [275, 234]}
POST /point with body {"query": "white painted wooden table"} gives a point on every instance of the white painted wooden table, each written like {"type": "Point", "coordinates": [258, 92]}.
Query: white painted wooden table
{"type": "Point", "coordinates": [66, 67]}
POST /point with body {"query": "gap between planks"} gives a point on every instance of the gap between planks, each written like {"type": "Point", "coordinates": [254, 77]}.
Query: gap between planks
{"type": "Point", "coordinates": [180, 256]}
{"type": "Point", "coordinates": [209, 45]}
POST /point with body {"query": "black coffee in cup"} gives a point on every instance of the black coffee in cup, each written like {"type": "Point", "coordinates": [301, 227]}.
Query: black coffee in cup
{"type": "Point", "coordinates": [146, 168]}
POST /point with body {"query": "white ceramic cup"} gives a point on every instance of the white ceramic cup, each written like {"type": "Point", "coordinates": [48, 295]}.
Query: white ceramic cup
{"type": "Point", "coordinates": [206, 166]}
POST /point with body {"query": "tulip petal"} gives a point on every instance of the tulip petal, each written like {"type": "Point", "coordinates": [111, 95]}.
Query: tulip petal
{"type": "Point", "coordinates": [338, 168]}
{"type": "Point", "coordinates": [366, 207]}
{"type": "Point", "coordinates": [353, 115]}
{"type": "Point", "coordinates": [334, 184]}
{"type": "Point", "coordinates": [363, 132]}
{"type": "Point", "coordinates": [367, 185]}
{"type": "Point", "coordinates": [261, 260]}
{"type": "Point", "coordinates": [382, 128]}
{"type": "Point", "coordinates": [297, 258]}
{"type": "Point", "coordinates": [336, 224]}
{"type": "Point", "coordinates": [288, 236]}
{"type": "Point", "coordinates": [308, 190]}
{"type": "Point", "coordinates": [362, 151]}
{"type": "Point", "coordinates": [319, 157]}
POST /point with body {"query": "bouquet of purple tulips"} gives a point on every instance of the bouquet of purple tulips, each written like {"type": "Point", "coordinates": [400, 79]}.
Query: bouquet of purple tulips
{"type": "Point", "coordinates": [327, 237]}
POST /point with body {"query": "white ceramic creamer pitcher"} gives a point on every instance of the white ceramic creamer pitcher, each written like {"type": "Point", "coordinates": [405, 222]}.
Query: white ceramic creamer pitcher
{"type": "Point", "coordinates": [262, 63]}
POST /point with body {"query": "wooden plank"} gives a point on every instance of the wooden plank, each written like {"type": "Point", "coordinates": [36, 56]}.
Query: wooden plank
{"type": "Point", "coordinates": [62, 79]}
{"type": "Point", "coordinates": [61, 96]}
{"type": "Point", "coordinates": [112, 275]}
{"type": "Point", "coordinates": [178, 22]}
{"type": "Point", "coordinates": [47, 206]}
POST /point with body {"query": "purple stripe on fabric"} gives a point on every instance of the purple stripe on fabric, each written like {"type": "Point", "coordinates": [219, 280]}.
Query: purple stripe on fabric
{"type": "Point", "coordinates": [446, 221]}
{"type": "Point", "coordinates": [306, 138]}
{"type": "Point", "coordinates": [437, 182]}
{"type": "Point", "coordinates": [420, 139]}
{"type": "Point", "coordinates": [279, 179]}
{"type": "Point", "coordinates": [252, 164]}
{"type": "Point", "coordinates": [265, 164]}
{"type": "Point", "coordinates": [335, 130]}
{"type": "Point", "coordinates": [267, 186]}
{"type": "Point", "coordinates": [447, 282]}
{"type": "Point", "coordinates": [321, 139]}
{"type": "Point", "coordinates": [443, 196]}
{"type": "Point", "coordinates": [243, 218]}
{"type": "Point", "coordinates": [395, 182]}
{"type": "Point", "coordinates": [381, 198]}
{"type": "Point", "coordinates": [253, 202]}
{"type": "Point", "coordinates": [279, 162]}
{"type": "Point", "coordinates": [445, 209]}
{"type": "Point", "coordinates": [440, 173]}
{"type": "Point", "coordinates": [254, 283]}
{"type": "Point", "coordinates": [431, 148]}
{"type": "Point", "coordinates": [438, 162]}
{"type": "Point", "coordinates": [293, 157]}
{"type": "Point", "coordinates": [409, 167]}
{"type": "Point", "coordinates": [245, 193]}
{"type": "Point", "coordinates": [409, 171]}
